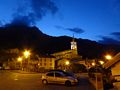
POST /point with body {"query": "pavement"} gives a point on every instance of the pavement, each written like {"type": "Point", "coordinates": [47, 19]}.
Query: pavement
{"type": "Point", "coordinates": [24, 72]}
{"type": "Point", "coordinates": [14, 80]}
{"type": "Point", "coordinates": [93, 81]}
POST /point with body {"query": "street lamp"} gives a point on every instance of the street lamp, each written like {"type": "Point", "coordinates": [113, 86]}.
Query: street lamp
{"type": "Point", "coordinates": [101, 62]}
{"type": "Point", "coordinates": [26, 53]}
{"type": "Point", "coordinates": [67, 63]}
{"type": "Point", "coordinates": [108, 57]}
{"type": "Point", "coordinates": [19, 59]}
{"type": "Point", "coordinates": [93, 63]}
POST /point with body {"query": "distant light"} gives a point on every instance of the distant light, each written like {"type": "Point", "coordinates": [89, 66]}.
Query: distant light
{"type": "Point", "coordinates": [101, 62]}
{"type": "Point", "coordinates": [67, 63]}
{"type": "Point", "coordinates": [93, 64]}
{"type": "Point", "coordinates": [19, 59]}
{"type": "Point", "coordinates": [108, 57]}
{"type": "Point", "coordinates": [27, 53]}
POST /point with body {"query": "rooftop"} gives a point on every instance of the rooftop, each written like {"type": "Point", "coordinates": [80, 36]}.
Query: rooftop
{"type": "Point", "coordinates": [112, 62]}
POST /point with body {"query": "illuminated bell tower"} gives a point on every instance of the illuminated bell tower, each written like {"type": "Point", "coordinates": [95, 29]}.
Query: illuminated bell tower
{"type": "Point", "coordinates": [74, 46]}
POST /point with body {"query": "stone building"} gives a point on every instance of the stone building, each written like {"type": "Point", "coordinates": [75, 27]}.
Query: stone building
{"type": "Point", "coordinates": [68, 56]}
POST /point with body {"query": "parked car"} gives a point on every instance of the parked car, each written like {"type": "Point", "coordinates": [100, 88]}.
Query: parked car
{"type": "Point", "coordinates": [59, 77]}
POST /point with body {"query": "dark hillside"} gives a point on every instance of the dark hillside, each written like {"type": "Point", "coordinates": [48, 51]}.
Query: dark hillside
{"type": "Point", "coordinates": [21, 36]}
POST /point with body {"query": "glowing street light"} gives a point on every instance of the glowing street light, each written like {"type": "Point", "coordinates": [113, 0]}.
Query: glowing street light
{"type": "Point", "coordinates": [101, 62]}
{"type": "Point", "coordinates": [108, 57]}
{"type": "Point", "coordinates": [93, 64]}
{"type": "Point", "coordinates": [67, 63]}
{"type": "Point", "coordinates": [26, 53]}
{"type": "Point", "coordinates": [19, 59]}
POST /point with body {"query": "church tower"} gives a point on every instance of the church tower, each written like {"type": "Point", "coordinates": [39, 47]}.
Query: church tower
{"type": "Point", "coordinates": [74, 46]}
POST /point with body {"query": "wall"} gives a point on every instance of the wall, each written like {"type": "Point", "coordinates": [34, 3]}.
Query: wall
{"type": "Point", "coordinates": [116, 71]}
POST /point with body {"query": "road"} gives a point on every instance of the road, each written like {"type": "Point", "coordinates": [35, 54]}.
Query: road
{"type": "Point", "coordinates": [10, 80]}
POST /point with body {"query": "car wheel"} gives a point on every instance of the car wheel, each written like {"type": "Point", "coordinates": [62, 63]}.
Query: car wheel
{"type": "Point", "coordinates": [67, 83]}
{"type": "Point", "coordinates": [44, 82]}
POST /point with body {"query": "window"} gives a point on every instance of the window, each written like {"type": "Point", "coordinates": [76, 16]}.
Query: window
{"type": "Point", "coordinates": [40, 60]}
{"type": "Point", "coordinates": [50, 64]}
{"type": "Point", "coordinates": [50, 74]}
{"type": "Point", "coordinates": [58, 75]}
{"type": "Point", "coordinates": [45, 59]}
{"type": "Point", "coordinates": [50, 60]}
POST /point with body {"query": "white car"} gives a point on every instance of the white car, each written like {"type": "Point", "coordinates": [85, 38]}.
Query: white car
{"type": "Point", "coordinates": [59, 77]}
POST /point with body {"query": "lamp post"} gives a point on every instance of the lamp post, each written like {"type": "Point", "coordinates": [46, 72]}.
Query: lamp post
{"type": "Point", "coordinates": [108, 57]}
{"type": "Point", "coordinates": [19, 59]}
{"type": "Point", "coordinates": [93, 63]}
{"type": "Point", "coordinates": [67, 63]}
{"type": "Point", "coordinates": [101, 62]}
{"type": "Point", "coordinates": [27, 54]}
{"type": "Point", "coordinates": [101, 75]}
{"type": "Point", "coordinates": [96, 71]}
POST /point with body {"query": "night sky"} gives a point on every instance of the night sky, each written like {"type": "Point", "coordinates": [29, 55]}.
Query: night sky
{"type": "Point", "coordinates": [97, 20]}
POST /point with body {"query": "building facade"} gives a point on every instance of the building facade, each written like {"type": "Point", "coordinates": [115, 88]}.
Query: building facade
{"type": "Point", "coordinates": [46, 62]}
{"type": "Point", "coordinates": [40, 63]}
{"type": "Point", "coordinates": [114, 65]}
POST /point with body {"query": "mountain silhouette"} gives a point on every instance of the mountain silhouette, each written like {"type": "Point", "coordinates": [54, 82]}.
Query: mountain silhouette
{"type": "Point", "coordinates": [22, 36]}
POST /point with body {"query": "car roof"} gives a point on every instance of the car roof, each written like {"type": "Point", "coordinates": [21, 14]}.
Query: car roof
{"type": "Point", "coordinates": [56, 70]}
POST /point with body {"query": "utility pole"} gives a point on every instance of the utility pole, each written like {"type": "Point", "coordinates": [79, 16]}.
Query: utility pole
{"type": "Point", "coordinates": [96, 67]}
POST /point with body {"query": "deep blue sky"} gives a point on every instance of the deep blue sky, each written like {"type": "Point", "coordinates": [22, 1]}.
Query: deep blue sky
{"type": "Point", "coordinates": [87, 19]}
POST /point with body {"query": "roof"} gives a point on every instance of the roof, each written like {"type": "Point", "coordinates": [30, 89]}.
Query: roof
{"type": "Point", "coordinates": [112, 62]}
{"type": "Point", "coordinates": [46, 56]}
{"type": "Point", "coordinates": [62, 52]}
{"type": "Point", "coordinates": [35, 57]}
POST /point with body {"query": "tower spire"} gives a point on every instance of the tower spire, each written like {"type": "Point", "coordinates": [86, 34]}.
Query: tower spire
{"type": "Point", "coordinates": [73, 38]}
{"type": "Point", "coordinates": [74, 46]}
{"type": "Point", "coordinates": [73, 43]}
